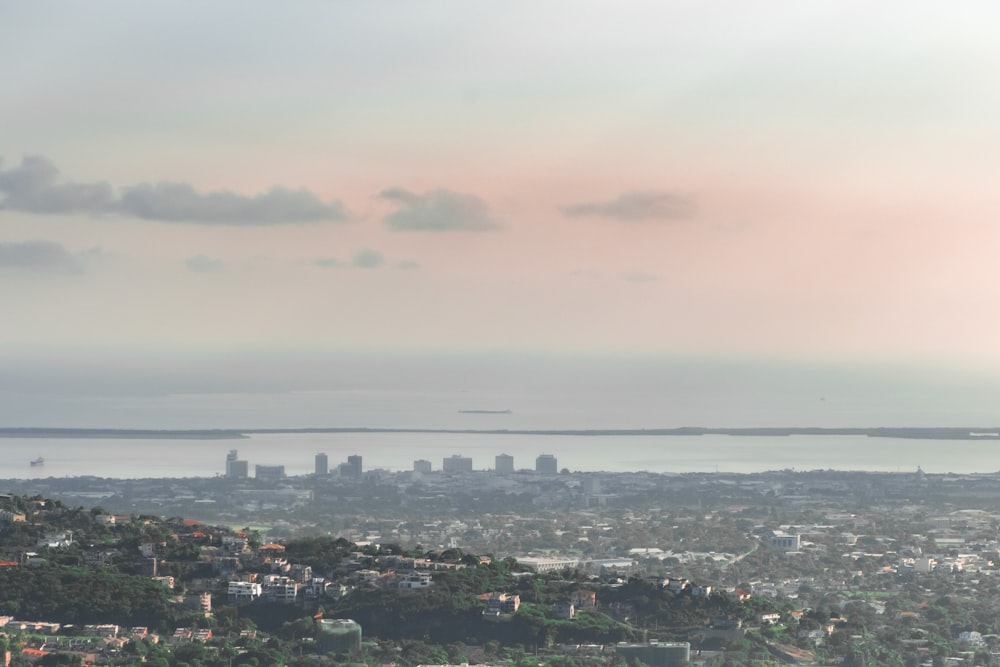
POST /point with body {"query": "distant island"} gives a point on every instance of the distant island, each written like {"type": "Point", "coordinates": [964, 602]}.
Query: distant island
{"type": "Point", "coordinates": [914, 433]}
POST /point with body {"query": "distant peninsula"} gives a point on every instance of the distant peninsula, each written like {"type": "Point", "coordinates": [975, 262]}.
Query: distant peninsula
{"type": "Point", "coordinates": [912, 433]}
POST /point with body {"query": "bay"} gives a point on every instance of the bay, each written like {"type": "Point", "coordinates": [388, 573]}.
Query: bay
{"type": "Point", "coordinates": [395, 451]}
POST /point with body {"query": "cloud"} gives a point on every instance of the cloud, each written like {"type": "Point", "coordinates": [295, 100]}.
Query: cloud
{"type": "Point", "coordinates": [640, 277]}
{"type": "Point", "coordinates": [204, 264]}
{"type": "Point", "coordinates": [180, 202]}
{"type": "Point", "coordinates": [34, 187]}
{"type": "Point", "coordinates": [39, 256]}
{"type": "Point", "coordinates": [407, 265]}
{"type": "Point", "coordinates": [635, 207]}
{"type": "Point", "coordinates": [367, 259]}
{"type": "Point", "coordinates": [438, 210]}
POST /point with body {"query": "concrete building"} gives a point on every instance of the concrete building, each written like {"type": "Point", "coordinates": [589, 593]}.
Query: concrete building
{"type": "Point", "coordinates": [421, 465]}
{"type": "Point", "coordinates": [353, 467]}
{"type": "Point", "coordinates": [549, 564]}
{"type": "Point", "coordinates": [667, 654]}
{"type": "Point", "coordinates": [782, 541]}
{"type": "Point", "coordinates": [322, 464]}
{"type": "Point", "coordinates": [279, 587]}
{"type": "Point", "coordinates": [415, 580]}
{"type": "Point", "coordinates": [546, 464]}
{"type": "Point", "coordinates": [562, 609]}
{"type": "Point", "coordinates": [501, 603]}
{"type": "Point", "coordinates": [243, 591]}
{"type": "Point", "coordinates": [504, 464]}
{"type": "Point", "coordinates": [269, 472]}
{"type": "Point", "coordinates": [338, 635]}
{"type": "Point", "coordinates": [456, 463]}
{"type": "Point", "coordinates": [235, 468]}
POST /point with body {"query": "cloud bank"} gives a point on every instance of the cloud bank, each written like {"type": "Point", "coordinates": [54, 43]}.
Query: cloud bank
{"type": "Point", "coordinates": [204, 264]}
{"type": "Point", "coordinates": [34, 187]}
{"type": "Point", "coordinates": [40, 256]}
{"type": "Point", "coordinates": [635, 207]}
{"type": "Point", "coordinates": [438, 211]}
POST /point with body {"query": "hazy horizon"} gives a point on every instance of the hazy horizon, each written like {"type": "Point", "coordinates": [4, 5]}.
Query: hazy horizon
{"type": "Point", "coordinates": [301, 389]}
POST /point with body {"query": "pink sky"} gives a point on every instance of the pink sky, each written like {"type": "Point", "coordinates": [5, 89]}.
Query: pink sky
{"type": "Point", "coordinates": [783, 181]}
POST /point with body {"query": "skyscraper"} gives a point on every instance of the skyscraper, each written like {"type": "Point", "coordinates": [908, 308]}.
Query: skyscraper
{"type": "Point", "coordinates": [546, 464]}
{"type": "Point", "coordinates": [456, 463]}
{"type": "Point", "coordinates": [353, 468]}
{"type": "Point", "coordinates": [322, 464]}
{"type": "Point", "coordinates": [235, 468]}
{"type": "Point", "coordinates": [504, 464]}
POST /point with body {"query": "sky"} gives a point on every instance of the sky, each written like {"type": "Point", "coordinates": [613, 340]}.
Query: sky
{"type": "Point", "coordinates": [770, 181]}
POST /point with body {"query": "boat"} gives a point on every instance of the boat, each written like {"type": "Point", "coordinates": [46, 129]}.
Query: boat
{"type": "Point", "coordinates": [37, 462]}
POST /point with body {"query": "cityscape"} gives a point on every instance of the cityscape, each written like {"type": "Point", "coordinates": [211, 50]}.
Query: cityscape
{"type": "Point", "coordinates": [236, 468]}
{"type": "Point", "coordinates": [499, 334]}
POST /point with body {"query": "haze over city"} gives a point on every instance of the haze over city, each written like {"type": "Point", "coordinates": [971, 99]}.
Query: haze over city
{"type": "Point", "coordinates": [240, 197]}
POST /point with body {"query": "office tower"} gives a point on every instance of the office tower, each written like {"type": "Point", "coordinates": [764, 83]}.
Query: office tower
{"type": "Point", "coordinates": [421, 465]}
{"type": "Point", "coordinates": [322, 464]}
{"type": "Point", "coordinates": [235, 468]}
{"type": "Point", "coordinates": [354, 466]}
{"type": "Point", "coordinates": [546, 464]}
{"type": "Point", "coordinates": [456, 463]}
{"type": "Point", "coordinates": [504, 464]}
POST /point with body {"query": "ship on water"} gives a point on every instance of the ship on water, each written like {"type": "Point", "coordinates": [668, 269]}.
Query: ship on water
{"type": "Point", "coordinates": [37, 462]}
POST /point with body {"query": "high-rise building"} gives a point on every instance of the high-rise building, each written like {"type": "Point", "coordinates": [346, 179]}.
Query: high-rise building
{"type": "Point", "coordinates": [546, 464]}
{"type": "Point", "coordinates": [456, 463]}
{"type": "Point", "coordinates": [421, 465]}
{"type": "Point", "coordinates": [269, 472]}
{"type": "Point", "coordinates": [322, 464]}
{"type": "Point", "coordinates": [504, 464]}
{"type": "Point", "coordinates": [354, 466]}
{"type": "Point", "coordinates": [235, 468]}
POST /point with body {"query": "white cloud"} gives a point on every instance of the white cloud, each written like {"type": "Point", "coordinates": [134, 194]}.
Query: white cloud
{"type": "Point", "coordinates": [635, 206]}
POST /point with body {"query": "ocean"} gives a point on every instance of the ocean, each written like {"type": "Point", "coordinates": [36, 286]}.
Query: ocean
{"type": "Point", "coordinates": [539, 395]}
{"type": "Point", "coordinates": [127, 458]}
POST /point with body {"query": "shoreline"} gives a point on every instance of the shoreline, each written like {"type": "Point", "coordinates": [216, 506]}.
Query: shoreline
{"type": "Point", "coordinates": [975, 433]}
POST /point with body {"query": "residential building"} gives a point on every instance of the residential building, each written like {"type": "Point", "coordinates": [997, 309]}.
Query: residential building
{"type": "Point", "coordinates": [353, 467]}
{"type": "Point", "coordinates": [415, 580]}
{"type": "Point", "coordinates": [546, 464]}
{"type": "Point", "coordinates": [562, 609]}
{"type": "Point", "coordinates": [279, 587]}
{"type": "Point", "coordinates": [236, 468]}
{"type": "Point", "coordinates": [422, 465]}
{"type": "Point", "coordinates": [582, 599]}
{"type": "Point", "coordinates": [504, 464]}
{"type": "Point", "coordinates": [782, 541]}
{"type": "Point", "coordinates": [243, 591]}
{"type": "Point", "coordinates": [322, 464]}
{"type": "Point", "coordinates": [270, 473]}
{"type": "Point", "coordinates": [501, 603]}
{"type": "Point", "coordinates": [456, 463]}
